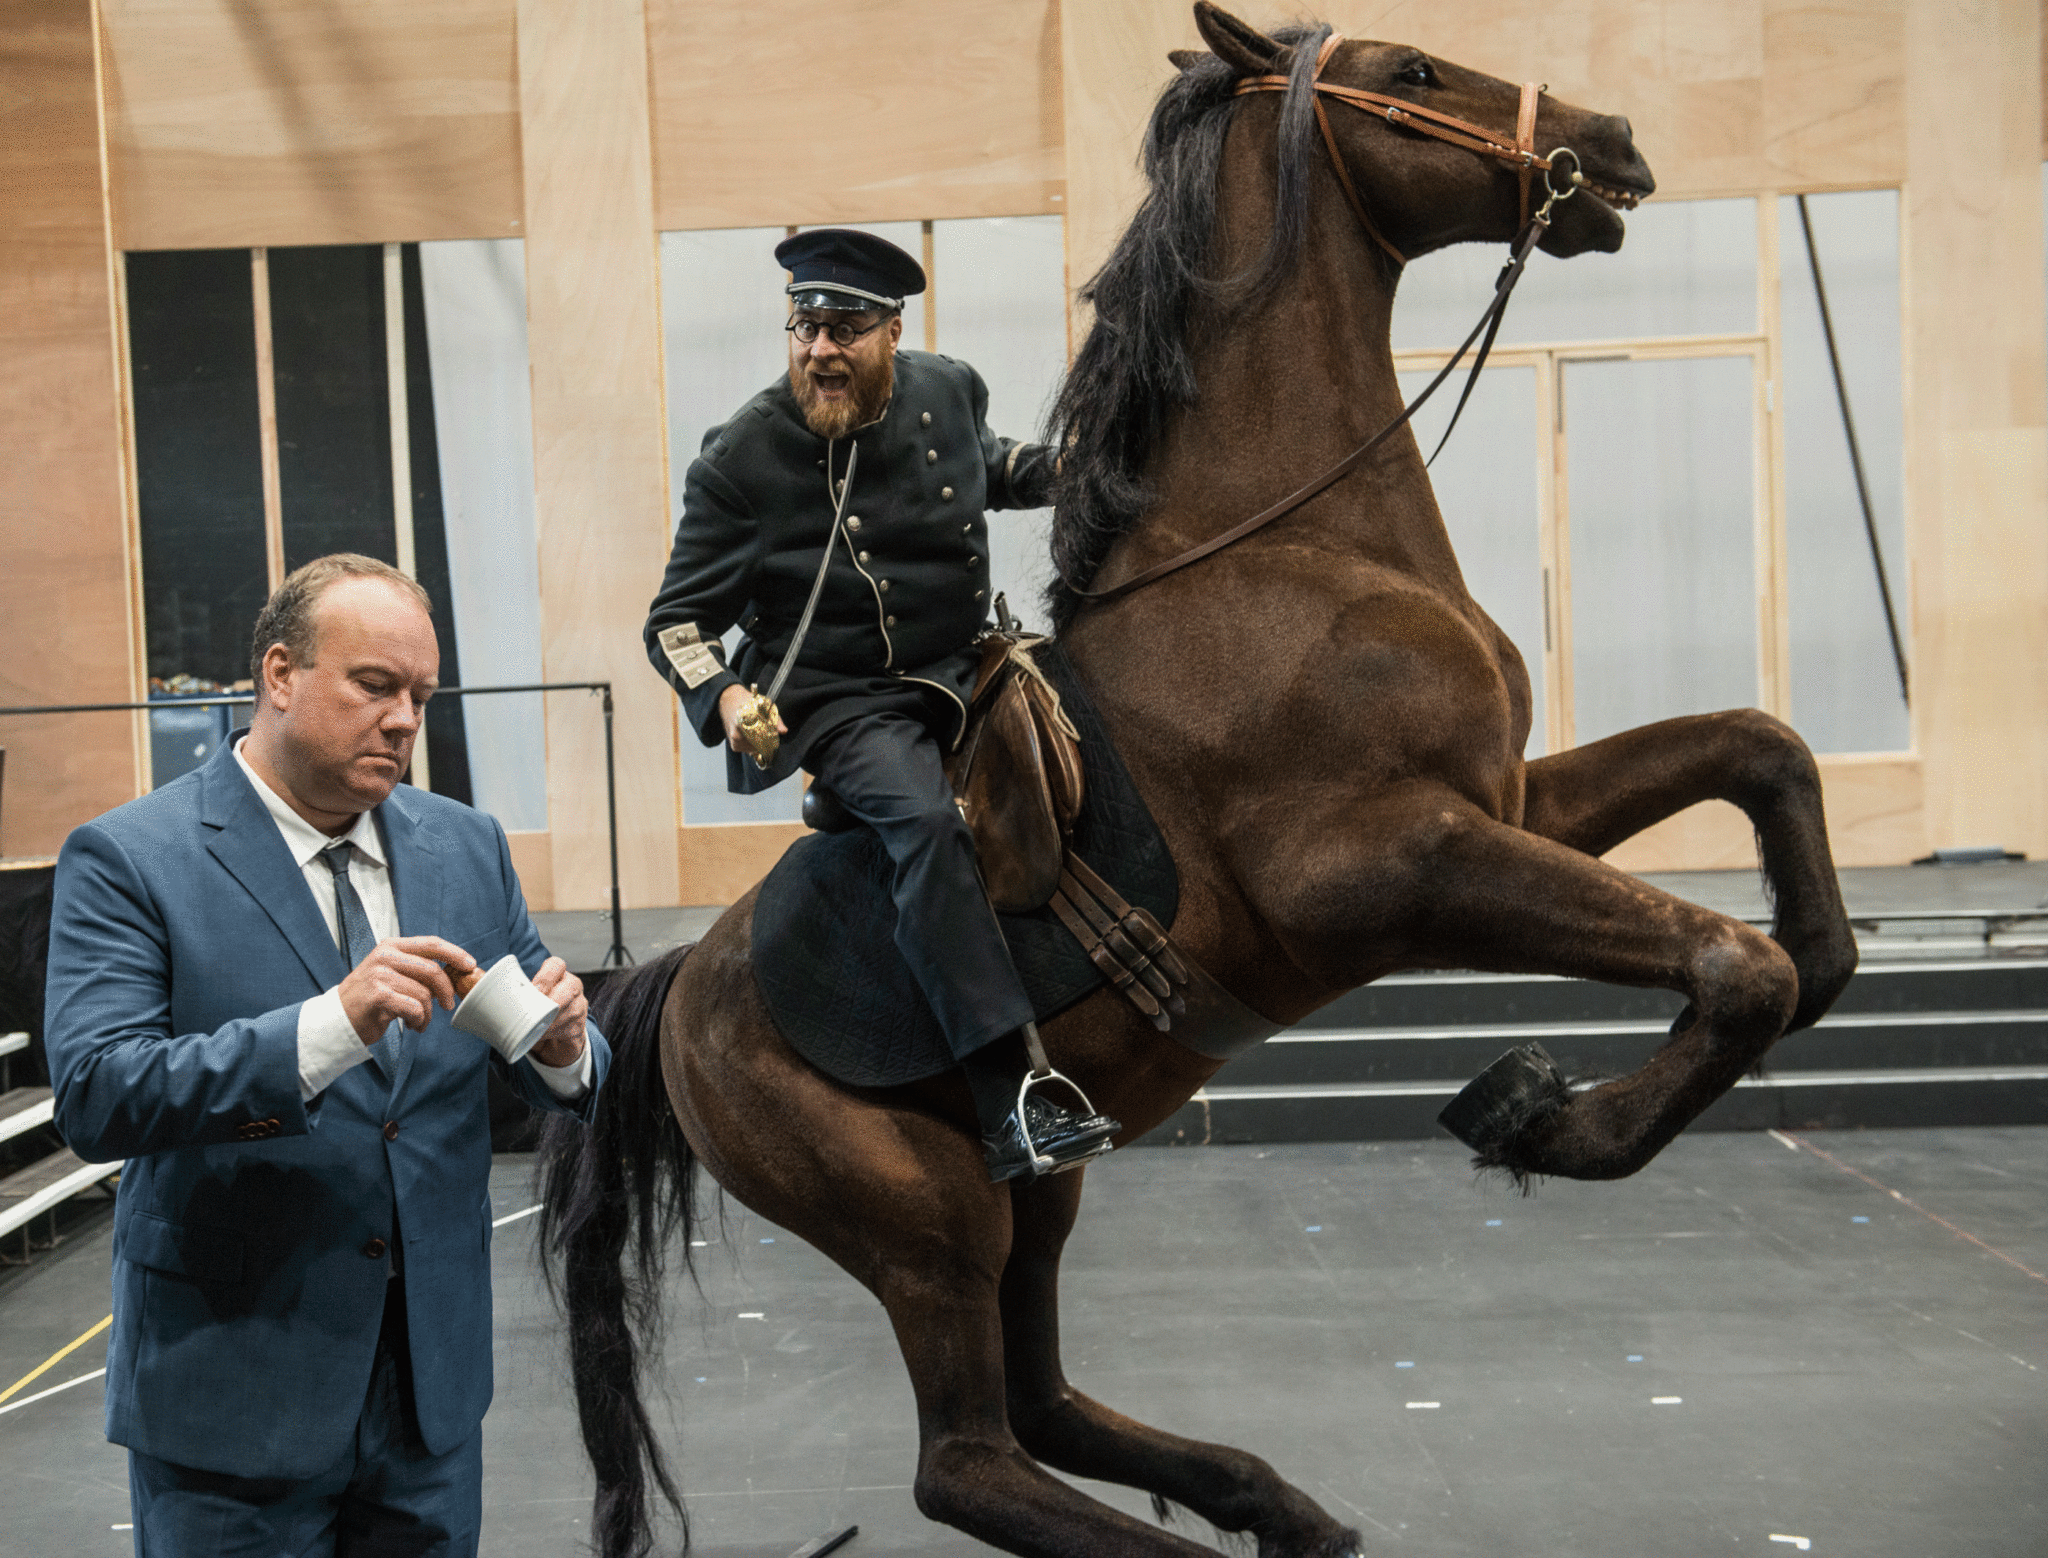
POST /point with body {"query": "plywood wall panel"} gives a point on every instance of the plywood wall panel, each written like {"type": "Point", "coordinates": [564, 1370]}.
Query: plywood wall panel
{"type": "Point", "coordinates": [1976, 375]}
{"type": "Point", "coordinates": [600, 471]}
{"type": "Point", "coordinates": [307, 122]}
{"type": "Point", "coordinates": [807, 112]}
{"type": "Point", "coordinates": [65, 617]}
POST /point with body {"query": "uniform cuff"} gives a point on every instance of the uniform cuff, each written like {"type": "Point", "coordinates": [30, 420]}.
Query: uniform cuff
{"type": "Point", "coordinates": [328, 1044]}
{"type": "Point", "coordinates": [567, 1082]}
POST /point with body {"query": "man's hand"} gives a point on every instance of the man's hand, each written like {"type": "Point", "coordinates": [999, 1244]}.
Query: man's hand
{"type": "Point", "coordinates": [402, 979]}
{"type": "Point", "coordinates": [730, 703]}
{"type": "Point", "coordinates": [562, 1044]}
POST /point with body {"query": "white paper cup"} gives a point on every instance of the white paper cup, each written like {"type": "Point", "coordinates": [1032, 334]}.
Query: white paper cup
{"type": "Point", "coordinates": [505, 1011]}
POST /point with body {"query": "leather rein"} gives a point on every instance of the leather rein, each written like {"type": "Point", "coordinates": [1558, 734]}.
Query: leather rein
{"type": "Point", "coordinates": [1520, 153]}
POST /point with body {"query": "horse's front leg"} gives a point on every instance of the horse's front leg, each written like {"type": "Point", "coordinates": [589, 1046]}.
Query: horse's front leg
{"type": "Point", "coordinates": [1419, 877]}
{"type": "Point", "coordinates": [1063, 1428]}
{"type": "Point", "coordinates": [1593, 797]}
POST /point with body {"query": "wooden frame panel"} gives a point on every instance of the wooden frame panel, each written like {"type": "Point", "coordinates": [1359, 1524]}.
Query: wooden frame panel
{"type": "Point", "coordinates": [305, 122]}
{"type": "Point", "coordinates": [64, 595]}
{"type": "Point", "coordinates": [802, 111]}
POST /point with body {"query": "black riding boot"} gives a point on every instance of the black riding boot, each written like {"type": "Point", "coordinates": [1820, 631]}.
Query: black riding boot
{"type": "Point", "coordinates": [1023, 1132]}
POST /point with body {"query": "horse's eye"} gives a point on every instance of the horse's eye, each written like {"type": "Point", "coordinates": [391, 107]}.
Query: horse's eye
{"type": "Point", "coordinates": [1417, 74]}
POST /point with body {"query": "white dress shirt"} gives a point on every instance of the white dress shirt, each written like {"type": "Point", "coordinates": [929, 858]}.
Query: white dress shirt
{"type": "Point", "coordinates": [328, 1042]}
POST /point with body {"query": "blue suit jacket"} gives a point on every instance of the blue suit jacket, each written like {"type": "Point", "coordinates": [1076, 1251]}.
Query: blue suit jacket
{"type": "Point", "coordinates": [183, 942]}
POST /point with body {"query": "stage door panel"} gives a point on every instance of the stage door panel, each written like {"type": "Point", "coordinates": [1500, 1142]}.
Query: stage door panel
{"type": "Point", "coordinates": [1659, 500]}
{"type": "Point", "coordinates": [1486, 485]}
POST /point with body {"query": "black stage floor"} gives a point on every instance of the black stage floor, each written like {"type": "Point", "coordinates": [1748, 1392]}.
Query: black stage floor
{"type": "Point", "coordinates": [1751, 1347]}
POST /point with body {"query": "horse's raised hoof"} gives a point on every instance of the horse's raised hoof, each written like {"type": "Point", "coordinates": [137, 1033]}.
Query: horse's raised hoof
{"type": "Point", "coordinates": [1500, 1107]}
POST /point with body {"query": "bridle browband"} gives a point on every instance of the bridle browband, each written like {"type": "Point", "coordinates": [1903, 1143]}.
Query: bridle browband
{"type": "Point", "coordinates": [1520, 153]}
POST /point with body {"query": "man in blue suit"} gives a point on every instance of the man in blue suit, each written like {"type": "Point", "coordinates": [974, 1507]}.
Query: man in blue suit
{"type": "Point", "coordinates": [250, 971]}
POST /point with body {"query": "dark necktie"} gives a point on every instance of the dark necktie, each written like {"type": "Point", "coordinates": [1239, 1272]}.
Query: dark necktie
{"type": "Point", "coordinates": [357, 939]}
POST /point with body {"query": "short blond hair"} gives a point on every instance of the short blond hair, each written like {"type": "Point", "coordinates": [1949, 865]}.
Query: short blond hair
{"type": "Point", "coordinates": [287, 617]}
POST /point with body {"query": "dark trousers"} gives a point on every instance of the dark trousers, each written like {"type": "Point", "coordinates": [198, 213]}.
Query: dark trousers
{"type": "Point", "coordinates": [887, 771]}
{"type": "Point", "coordinates": [386, 1497]}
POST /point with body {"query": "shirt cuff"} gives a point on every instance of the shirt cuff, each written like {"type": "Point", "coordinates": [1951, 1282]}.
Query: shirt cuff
{"type": "Point", "coordinates": [328, 1044]}
{"type": "Point", "coordinates": [566, 1082]}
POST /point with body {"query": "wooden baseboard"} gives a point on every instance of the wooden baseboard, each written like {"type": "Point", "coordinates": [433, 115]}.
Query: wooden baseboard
{"type": "Point", "coordinates": [533, 858]}
{"type": "Point", "coordinates": [716, 864]}
{"type": "Point", "coordinates": [1876, 817]}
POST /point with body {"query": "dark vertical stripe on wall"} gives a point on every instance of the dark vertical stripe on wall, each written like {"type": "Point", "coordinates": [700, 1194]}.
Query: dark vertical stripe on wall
{"type": "Point", "coordinates": [447, 742]}
{"type": "Point", "coordinates": [198, 459]}
{"type": "Point", "coordinates": [333, 414]}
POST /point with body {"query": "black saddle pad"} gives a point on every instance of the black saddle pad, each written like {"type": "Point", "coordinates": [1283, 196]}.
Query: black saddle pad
{"type": "Point", "coordinates": [824, 947]}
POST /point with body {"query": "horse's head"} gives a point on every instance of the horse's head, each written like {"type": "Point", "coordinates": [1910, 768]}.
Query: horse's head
{"type": "Point", "coordinates": [1424, 188]}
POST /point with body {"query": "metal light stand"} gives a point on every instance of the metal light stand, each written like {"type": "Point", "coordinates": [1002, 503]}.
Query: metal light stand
{"type": "Point", "coordinates": [616, 956]}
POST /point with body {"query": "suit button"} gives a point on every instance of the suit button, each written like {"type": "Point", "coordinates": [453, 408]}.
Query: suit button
{"type": "Point", "coordinates": [967, 530]}
{"type": "Point", "coordinates": [375, 1249]}
{"type": "Point", "coordinates": [946, 493]}
{"type": "Point", "coordinates": [883, 585]}
{"type": "Point", "coordinates": [931, 457]}
{"type": "Point", "coordinates": [853, 522]}
{"type": "Point", "coordinates": [889, 622]}
{"type": "Point", "coordinates": [391, 1130]}
{"type": "Point", "coordinates": [925, 420]}
{"type": "Point", "coordinates": [863, 557]}
{"type": "Point", "coordinates": [979, 593]}
{"type": "Point", "coordinates": [970, 564]}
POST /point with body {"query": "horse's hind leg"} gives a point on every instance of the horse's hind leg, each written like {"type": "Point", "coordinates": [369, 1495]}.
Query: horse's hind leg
{"type": "Point", "coordinates": [1065, 1429]}
{"type": "Point", "coordinates": [1595, 796]}
{"type": "Point", "coordinates": [971, 1471]}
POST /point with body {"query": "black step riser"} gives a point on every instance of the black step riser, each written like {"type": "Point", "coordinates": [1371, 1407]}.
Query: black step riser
{"type": "Point", "coordinates": [1819, 1106]}
{"type": "Point", "coordinates": [1843, 1047]}
{"type": "Point", "coordinates": [1998, 985]}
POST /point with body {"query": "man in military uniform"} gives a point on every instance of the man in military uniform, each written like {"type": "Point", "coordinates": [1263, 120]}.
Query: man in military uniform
{"type": "Point", "coordinates": [883, 459]}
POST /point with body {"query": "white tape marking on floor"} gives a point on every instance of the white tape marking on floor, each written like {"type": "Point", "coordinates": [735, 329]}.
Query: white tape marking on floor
{"type": "Point", "coordinates": [1783, 1140]}
{"type": "Point", "coordinates": [1666, 1401]}
{"type": "Point", "coordinates": [1424, 1406]}
{"type": "Point", "coordinates": [751, 1314]}
{"type": "Point", "coordinates": [1799, 1542]}
{"type": "Point", "coordinates": [16, 1406]}
{"type": "Point", "coordinates": [515, 1216]}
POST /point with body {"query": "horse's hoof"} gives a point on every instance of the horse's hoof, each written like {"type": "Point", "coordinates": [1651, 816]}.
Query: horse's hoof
{"type": "Point", "coordinates": [1500, 1106]}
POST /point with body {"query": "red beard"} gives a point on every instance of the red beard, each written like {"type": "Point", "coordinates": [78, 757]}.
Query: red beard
{"type": "Point", "coordinates": [869, 388]}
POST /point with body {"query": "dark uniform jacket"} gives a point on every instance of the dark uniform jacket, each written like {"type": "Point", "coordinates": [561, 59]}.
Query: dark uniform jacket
{"type": "Point", "coordinates": [908, 586]}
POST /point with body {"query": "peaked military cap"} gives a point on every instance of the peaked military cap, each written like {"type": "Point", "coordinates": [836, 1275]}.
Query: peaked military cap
{"type": "Point", "coordinates": [839, 267]}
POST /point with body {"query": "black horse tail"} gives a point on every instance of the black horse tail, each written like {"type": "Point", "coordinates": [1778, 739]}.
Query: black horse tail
{"type": "Point", "coordinates": [615, 1196]}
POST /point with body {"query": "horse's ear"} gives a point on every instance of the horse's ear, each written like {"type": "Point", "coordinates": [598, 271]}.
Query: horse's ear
{"type": "Point", "coordinates": [1238, 44]}
{"type": "Point", "coordinates": [1186, 59]}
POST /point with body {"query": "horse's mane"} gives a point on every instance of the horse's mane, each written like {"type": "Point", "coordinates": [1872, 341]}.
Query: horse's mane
{"type": "Point", "coordinates": [1135, 368]}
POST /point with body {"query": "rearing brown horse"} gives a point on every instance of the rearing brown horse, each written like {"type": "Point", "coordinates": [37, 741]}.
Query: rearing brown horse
{"type": "Point", "coordinates": [1329, 731]}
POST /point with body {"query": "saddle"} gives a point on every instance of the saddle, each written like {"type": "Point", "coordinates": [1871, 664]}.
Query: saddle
{"type": "Point", "coordinates": [1018, 779]}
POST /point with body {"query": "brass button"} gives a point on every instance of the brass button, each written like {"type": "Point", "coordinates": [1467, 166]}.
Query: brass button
{"type": "Point", "coordinates": [946, 493]}
{"type": "Point", "coordinates": [979, 593]}
{"type": "Point", "coordinates": [889, 622]}
{"type": "Point", "coordinates": [375, 1249]}
{"type": "Point", "coordinates": [853, 522]}
{"type": "Point", "coordinates": [931, 457]}
{"type": "Point", "coordinates": [971, 562]}
{"type": "Point", "coordinates": [967, 530]}
{"type": "Point", "coordinates": [884, 585]}
{"type": "Point", "coordinates": [391, 1130]}
{"type": "Point", "coordinates": [925, 420]}
{"type": "Point", "coordinates": [863, 557]}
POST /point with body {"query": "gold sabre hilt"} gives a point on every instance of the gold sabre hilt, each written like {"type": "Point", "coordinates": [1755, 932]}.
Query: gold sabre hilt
{"type": "Point", "coordinates": [754, 731]}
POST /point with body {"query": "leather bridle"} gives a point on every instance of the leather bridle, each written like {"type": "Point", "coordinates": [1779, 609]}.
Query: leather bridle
{"type": "Point", "coordinates": [1520, 153]}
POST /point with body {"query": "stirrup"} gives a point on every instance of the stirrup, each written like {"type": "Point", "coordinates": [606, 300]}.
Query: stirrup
{"type": "Point", "coordinates": [1041, 1075]}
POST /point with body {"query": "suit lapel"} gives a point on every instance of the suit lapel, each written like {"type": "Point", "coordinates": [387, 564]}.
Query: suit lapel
{"type": "Point", "coordinates": [247, 844]}
{"type": "Point", "coordinates": [417, 875]}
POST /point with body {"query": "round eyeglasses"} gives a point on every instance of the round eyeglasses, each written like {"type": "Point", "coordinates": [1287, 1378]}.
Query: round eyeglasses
{"type": "Point", "coordinates": [843, 331]}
